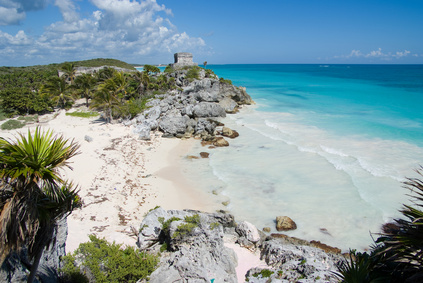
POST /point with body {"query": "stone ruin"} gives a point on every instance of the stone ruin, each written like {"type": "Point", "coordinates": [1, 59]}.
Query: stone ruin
{"type": "Point", "coordinates": [183, 59]}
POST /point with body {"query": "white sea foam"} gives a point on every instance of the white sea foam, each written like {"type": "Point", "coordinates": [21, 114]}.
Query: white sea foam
{"type": "Point", "coordinates": [349, 185]}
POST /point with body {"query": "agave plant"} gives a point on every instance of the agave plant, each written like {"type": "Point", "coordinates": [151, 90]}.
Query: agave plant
{"type": "Point", "coordinates": [33, 196]}
{"type": "Point", "coordinates": [402, 248]}
{"type": "Point", "coordinates": [397, 255]}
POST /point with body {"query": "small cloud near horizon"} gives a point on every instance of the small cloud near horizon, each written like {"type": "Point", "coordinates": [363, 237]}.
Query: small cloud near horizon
{"type": "Point", "coordinates": [378, 54]}
{"type": "Point", "coordinates": [128, 29]}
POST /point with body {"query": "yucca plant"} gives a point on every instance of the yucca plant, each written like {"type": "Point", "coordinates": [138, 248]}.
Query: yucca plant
{"type": "Point", "coordinates": [33, 195]}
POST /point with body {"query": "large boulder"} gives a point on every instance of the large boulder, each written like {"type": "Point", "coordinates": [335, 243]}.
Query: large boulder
{"type": "Point", "coordinates": [229, 105]}
{"type": "Point", "coordinates": [208, 109]}
{"type": "Point", "coordinates": [284, 223]}
{"type": "Point", "coordinates": [174, 125]}
{"type": "Point", "coordinates": [290, 263]}
{"type": "Point", "coordinates": [195, 243]}
{"type": "Point", "coordinates": [203, 90]}
{"type": "Point", "coordinates": [238, 94]}
{"type": "Point", "coordinates": [143, 131]}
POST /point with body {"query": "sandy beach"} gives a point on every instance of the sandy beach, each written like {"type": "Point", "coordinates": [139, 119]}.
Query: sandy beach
{"type": "Point", "coordinates": [120, 177]}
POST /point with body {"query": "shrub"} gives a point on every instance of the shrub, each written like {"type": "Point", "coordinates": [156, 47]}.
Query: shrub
{"type": "Point", "coordinates": [168, 69]}
{"type": "Point", "coordinates": [193, 73]}
{"type": "Point", "coordinates": [12, 124]}
{"type": "Point", "coordinates": [265, 273]}
{"type": "Point", "coordinates": [131, 108]}
{"type": "Point", "coordinates": [186, 228]}
{"type": "Point", "coordinates": [106, 262]}
{"type": "Point", "coordinates": [222, 80]}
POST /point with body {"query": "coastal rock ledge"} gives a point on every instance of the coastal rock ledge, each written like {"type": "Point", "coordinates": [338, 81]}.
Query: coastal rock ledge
{"type": "Point", "coordinates": [195, 247]}
{"type": "Point", "coordinates": [187, 111]}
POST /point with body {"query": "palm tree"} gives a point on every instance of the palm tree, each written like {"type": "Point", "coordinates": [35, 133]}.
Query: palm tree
{"type": "Point", "coordinates": [144, 80]}
{"type": "Point", "coordinates": [85, 83]}
{"type": "Point", "coordinates": [70, 71]}
{"type": "Point", "coordinates": [105, 73]}
{"type": "Point", "coordinates": [205, 64]}
{"type": "Point", "coordinates": [59, 90]}
{"type": "Point", "coordinates": [33, 194]}
{"type": "Point", "coordinates": [106, 101]}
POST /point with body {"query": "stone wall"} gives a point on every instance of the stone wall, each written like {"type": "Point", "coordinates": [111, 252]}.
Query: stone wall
{"type": "Point", "coordinates": [183, 59]}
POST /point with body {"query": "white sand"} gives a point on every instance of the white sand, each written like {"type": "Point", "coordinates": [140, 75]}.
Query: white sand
{"type": "Point", "coordinates": [121, 178]}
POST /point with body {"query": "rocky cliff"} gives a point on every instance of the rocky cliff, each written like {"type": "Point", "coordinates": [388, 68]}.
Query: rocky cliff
{"type": "Point", "coordinates": [194, 248]}
{"type": "Point", "coordinates": [187, 111]}
{"type": "Point", "coordinates": [16, 267]}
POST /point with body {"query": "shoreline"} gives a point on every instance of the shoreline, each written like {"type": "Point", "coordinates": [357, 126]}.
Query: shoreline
{"type": "Point", "coordinates": [120, 177]}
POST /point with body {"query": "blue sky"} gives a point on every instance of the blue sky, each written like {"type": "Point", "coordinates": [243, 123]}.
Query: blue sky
{"type": "Point", "coordinates": [219, 31]}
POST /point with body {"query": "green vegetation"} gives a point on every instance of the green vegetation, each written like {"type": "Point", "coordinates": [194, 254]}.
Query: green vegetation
{"type": "Point", "coordinates": [185, 228]}
{"type": "Point", "coordinates": [106, 262]}
{"type": "Point", "coordinates": [83, 114]}
{"type": "Point", "coordinates": [397, 255]}
{"type": "Point", "coordinates": [12, 124]}
{"type": "Point", "coordinates": [193, 73]}
{"type": "Point", "coordinates": [222, 80]}
{"type": "Point", "coordinates": [264, 273]}
{"type": "Point", "coordinates": [38, 89]}
{"type": "Point", "coordinates": [214, 225]}
{"type": "Point", "coordinates": [103, 62]}
{"type": "Point", "coordinates": [33, 194]}
{"type": "Point", "coordinates": [166, 224]}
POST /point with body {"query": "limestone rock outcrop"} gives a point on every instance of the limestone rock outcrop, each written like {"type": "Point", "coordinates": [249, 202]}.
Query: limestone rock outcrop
{"type": "Point", "coordinates": [195, 243]}
{"type": "Point", "coordinates": [193, 250]}
{"type": "Point", "coordinates": [15, 267]}
{"type": "Point", "coordinates": [183, 112]}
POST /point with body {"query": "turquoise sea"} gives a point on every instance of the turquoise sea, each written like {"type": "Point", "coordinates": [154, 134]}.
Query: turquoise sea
{"type": "Point", "coordinates": [327, 145]}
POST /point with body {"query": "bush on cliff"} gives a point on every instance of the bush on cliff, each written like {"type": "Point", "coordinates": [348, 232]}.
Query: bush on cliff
{"type": "Point", "coordinates": [101, 261]}
{"type": "Point", "coordinates": [397, 255]}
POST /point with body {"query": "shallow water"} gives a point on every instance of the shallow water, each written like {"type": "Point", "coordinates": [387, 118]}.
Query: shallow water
{"type": "Point", "coordinates": [328, 149]}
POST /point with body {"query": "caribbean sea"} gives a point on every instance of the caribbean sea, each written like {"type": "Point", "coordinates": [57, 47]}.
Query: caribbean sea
{"type": "Point", "coordinates": [327, 145]}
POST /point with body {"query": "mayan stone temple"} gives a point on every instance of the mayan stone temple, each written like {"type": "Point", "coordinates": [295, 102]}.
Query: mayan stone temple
{"type": "Point", "coordinates": [183, 59]}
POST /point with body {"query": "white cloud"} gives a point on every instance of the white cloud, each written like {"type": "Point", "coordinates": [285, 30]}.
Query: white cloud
{"type": "Point", "coordinates": [378, 54]}
{"type": "Point", "coordinates": [12, 12]}
{"type": "Point", "coordinates": [68, 10]}
{"type": "Point", "coordinates": [123, 29]}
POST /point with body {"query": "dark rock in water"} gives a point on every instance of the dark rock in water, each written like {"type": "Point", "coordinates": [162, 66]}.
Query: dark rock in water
{"type": "Point", "coordinates": [284, 223]}
{"type": "Point", "coordinates": [226, 132]}
{"type": "Point", "coordinates": [204, 154]}
{"type": "Point", "coordinates": [325, 231]}
{"type": "Point", "coordinates": [219, 142]}
{"type": "Point", "coordinates": [325, 247]}
{"type": "Point", "coordinates": [267, 229]}
{"type": "Point", "coordinates": [190, 157]}
{"type": "Point", "coordinates": [15, 266]}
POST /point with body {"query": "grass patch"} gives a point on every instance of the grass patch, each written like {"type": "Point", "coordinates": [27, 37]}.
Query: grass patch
{"type": "Point", "coordinates": [83, 114]}
{"type": "Point", "coordinates": [12, 124]}
{"type": "Point", "coordinates": [28, 119]}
